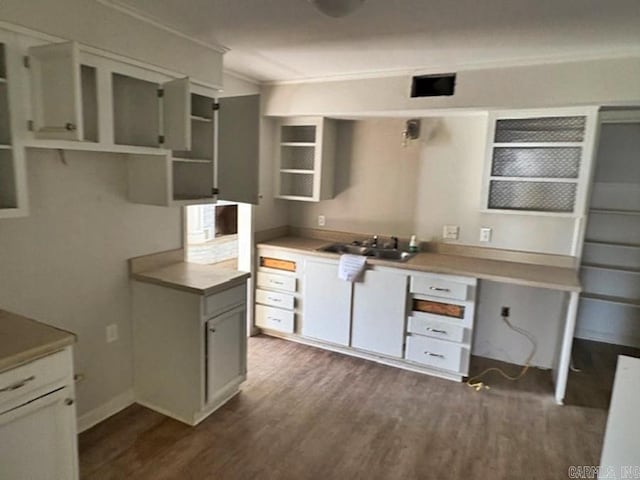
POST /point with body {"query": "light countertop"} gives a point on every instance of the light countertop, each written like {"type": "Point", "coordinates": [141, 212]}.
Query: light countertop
{"type": "Point", "coordinates": [23, 340]}
{"type": "Point", "coordinates": [526, 274]}
{"type": "Point", "coordinates": [193, 277]}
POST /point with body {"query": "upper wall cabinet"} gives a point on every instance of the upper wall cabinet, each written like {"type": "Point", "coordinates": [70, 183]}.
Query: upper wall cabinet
{"type": "Point", "coordinates": [539, 162]}
{"type": "Point", "coordinates": [306, 151]}
{"type": "Point", "coordinates": [56, 88]}
{"type": "Point", "coordinates": [13, 193]}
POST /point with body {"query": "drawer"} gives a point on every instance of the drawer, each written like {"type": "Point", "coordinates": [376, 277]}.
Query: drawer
{"type": "Point", "coordinates": [435, 353]}
{"type": "Point", "coordinates": [275, 299]}
{"type": "Point", "coordinates": [35, 378]}
{"type": "Point", "coordinates": [426, 325]}
{"type": "Point", "coordinates": [274, 318]}
{"type": "Point", "coordinates": [223, 301]}
{"type": "Point", "coordinates": [278, 282]}
{"type": "Point", "coordinates": [435, 286]}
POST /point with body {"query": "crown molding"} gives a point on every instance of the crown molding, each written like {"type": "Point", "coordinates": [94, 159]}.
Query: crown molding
{"type": "Point", "coordinates": [146, 18]}
{"type": "Point", "coordinates": [434, 69]}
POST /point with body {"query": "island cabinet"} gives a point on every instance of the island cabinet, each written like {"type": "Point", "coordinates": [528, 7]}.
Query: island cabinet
{"type": "Point", "coordinates": [190, 349]}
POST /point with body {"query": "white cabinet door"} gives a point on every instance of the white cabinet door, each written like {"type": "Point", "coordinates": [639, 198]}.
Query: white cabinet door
{"type": "Point", "coordinates": [176, 114]}
{"type": "Point", "coordinates": [39, 439]}
{"type": "Point", "coordinates": [379, 312]}
{"type": "Point", "coordinates": [226, 350]}
{"type": "Point", "coordinates": [327, 303]}
{"type": "Point", "coordinates": [57, 97]}
{"type": "Point", "coordinates": [238, 137]}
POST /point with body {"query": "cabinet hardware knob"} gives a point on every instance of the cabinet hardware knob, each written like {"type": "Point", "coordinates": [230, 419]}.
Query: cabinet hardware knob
{"type": "Point", "coordinates": [439, 289]}
{"type": "Point", "coordinates": [18, 384]}
{"type": "Point", "coordinates": [69, 401]}
{"type": "Point", "coordinates": [431, 354]}
{"type": "Point", "coordinates": [70, 126]}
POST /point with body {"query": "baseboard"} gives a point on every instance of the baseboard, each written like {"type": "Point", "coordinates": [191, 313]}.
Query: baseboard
{"type": "Point", "coordinates": [104, 411]}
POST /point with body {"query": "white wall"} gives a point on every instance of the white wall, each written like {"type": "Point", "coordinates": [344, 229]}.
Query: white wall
{"type": "Point", "coordinates": [65, 264]}
{"type": "Point", "coordinates": [595, 82]}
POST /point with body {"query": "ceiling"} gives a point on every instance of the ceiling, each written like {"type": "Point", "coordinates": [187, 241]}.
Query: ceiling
{"type": "Point", "coordinates": [275, 40]}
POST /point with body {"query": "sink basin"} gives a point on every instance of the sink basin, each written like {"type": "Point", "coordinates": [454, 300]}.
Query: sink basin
{"type": "Point", "coordinates": [381, 253]}
{"type": "Point", "coordinates": [347, 248]}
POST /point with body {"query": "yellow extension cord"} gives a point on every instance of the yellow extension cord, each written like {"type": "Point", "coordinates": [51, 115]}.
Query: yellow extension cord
{"type": "Point", "coordinates": [473, 383]}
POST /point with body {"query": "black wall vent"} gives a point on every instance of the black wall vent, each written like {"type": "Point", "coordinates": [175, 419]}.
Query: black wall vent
{"type": "Point", "coordinates": [433, 85]}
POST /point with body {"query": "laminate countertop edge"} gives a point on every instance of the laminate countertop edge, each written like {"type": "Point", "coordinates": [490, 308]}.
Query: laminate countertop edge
{"type": "Point", "coordinates": [38, 340]}
{"type": "Point", "coordinates": [193, 278]}
{"type": "Point", "coordinates": [524, 274]}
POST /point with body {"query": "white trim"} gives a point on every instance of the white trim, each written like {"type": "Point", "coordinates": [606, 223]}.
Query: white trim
{"type": "Point", "coordinates": [619, 116]}
{"type": "Point", "coordinates": [146, 18]}
{"type": "Point", "coordinates": [608, 337]}
{"type": "Point", "coordinates": [509, 63]}
{"type": "Point", "coordinates": [241, 76]}
{"type": "Point", "coordinates": [106, 410]}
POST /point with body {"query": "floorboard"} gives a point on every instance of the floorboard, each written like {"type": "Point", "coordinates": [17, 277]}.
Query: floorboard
{"type": "Point", "coordinates": [306, 413]}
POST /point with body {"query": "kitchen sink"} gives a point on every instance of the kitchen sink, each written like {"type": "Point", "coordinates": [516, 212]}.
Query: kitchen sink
{"type": "Point", "coordinates": [391, 254]}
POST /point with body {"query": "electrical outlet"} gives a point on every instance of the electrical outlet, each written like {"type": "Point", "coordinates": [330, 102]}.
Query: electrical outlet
{"type": "Point", "coordinates": [485, 234]}
{"type": "Point", "coordinates": [112, 333]}
{"type": "Point", "coordinates": [322, 220]}
{"type": "Point", "coordinates": [505, 311]}
{"type": "Point", "coordinates": [450, 232]}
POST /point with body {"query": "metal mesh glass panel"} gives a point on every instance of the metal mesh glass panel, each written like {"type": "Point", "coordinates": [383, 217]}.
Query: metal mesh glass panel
{"type": "Point", "coordinates": [298, 133]}
{"type": "Point", "coordinates": [296, 184]}
{"type": "Point", "coordinates": [299, 158]}
{"type": "Point", "coordinates": [536, 162]}
{"type": "Point", "coordinates": [544, 129]}
{"type": "Point", "coordinates": [536, 196]}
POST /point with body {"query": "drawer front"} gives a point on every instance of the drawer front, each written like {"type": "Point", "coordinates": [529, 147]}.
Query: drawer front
{"type": "Point", "coordinates": [278, 282]}
{"type": "Point", "coordinates": [274, 318]}
{"type": "Point", "coordinates": [424, 325]}
{"type": "Point", "coordinates": [439, 287]}
{"type": "Point", "coordinates": [35, 378]}
{"type": "Point", "coordinates": [275, 299]}
{"type": "Point", "coordinates": [225, 300]}
{"type": "Point", "coordinates": [434, 353]}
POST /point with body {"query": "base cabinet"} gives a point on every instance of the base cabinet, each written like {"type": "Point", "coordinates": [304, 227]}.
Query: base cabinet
{"type": "Point", "coordinates": [379, 312]}
{"type": "Point", "coordinates": [190, 350]}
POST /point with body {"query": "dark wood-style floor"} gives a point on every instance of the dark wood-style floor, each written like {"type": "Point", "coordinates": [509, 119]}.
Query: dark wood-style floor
{"type": "Point", "coordinates": [306, 413]}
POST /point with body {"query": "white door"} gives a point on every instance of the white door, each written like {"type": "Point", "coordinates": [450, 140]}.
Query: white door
{"type": "Point", "coordinates": [226, 350]}
{"type": "Point", "coordinates": [39, 439]}
{"type": "Point", "coordinates": [379, 312]}
{"type": "Point", "coordinates": [238, 149]}
{"type": "Point", "coordinates": [327, 303]}
{"type": "Point", "coordinates": [56, 88]}
{"type": "Point", "coordinates": [176, 114]}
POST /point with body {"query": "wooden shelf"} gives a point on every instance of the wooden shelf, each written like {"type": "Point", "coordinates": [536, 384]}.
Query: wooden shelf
{"type": "Point", "coordinates": [299, 171]}
{"type": "Point", "coordinates": [297, 144]}
{"type": "Point", "coordinates": [631, 302]}
{"type": "Point", "coordinates": [536, 144]}
{"type": "Point", "coordinates": [612, 244]}
{"type": "Point", "coordinates": [201, 119]}
{"type": "Point", "coordinates": [616, 268]}
{"type": "Point", "coordinates": [611, 211]}
{"type": "Point", "coordinates": [535, 179]}
{"type": "Point", "coordinates": [192, 160]}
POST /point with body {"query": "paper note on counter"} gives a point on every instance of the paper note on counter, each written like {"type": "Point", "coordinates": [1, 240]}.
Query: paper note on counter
{"type": "Point", "coordinates": [351, 266]}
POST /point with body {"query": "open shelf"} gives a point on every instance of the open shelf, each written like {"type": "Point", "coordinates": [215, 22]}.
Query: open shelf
{"type": "Point", "coordinates": [611, 211]}
{"type": "Point", "coordinates": [192, 160]}
{"type": "Point", "coordinates": [633, 302]}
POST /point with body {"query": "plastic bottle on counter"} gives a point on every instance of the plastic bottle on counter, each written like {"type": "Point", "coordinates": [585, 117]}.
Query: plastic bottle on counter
{"type": "Point", "coordinates": [413, 244]}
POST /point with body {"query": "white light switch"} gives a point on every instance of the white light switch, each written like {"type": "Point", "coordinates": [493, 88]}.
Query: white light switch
{"type": "Point", "coordinates": [322, 221]}
{"type": "Point", "coordinates": [450, 232]}
{"type": "Point", "coordinates": [485, 234]}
